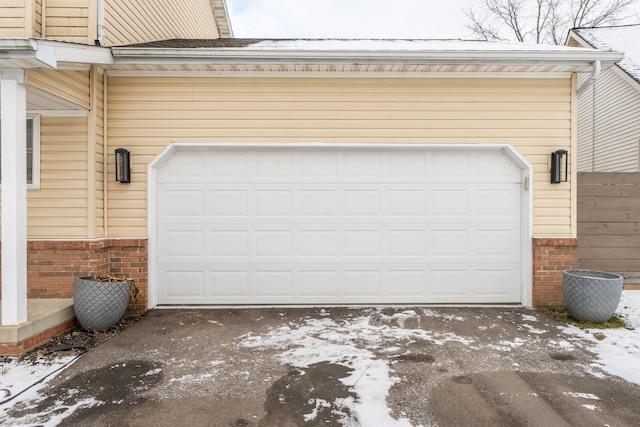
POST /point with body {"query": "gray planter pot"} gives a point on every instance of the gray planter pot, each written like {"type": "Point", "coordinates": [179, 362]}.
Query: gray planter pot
{"type": "Point", "coordinates": [99, 305]}
{"type": "Point", "coordinates": [591, 296]}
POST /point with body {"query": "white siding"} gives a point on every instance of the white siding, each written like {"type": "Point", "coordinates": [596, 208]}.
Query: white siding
{"type": "Point", "coordinates": [608, 136]}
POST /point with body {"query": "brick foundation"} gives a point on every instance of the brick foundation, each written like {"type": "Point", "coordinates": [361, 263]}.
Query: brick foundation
{"type": "Point", "coordinates": [22, 347]}
{"type": "Point", "coordinates": [551, 256]}
{"type": "Point", "coordinates": [53, 265]}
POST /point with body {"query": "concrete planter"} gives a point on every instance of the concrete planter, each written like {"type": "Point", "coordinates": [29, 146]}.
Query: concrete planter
{"type": "Point", "coordinates": [591, 296]}
{"type": "Point", "coordinates": [100, 305]}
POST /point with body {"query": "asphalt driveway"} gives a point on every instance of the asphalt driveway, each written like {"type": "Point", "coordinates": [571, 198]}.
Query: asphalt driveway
{"type": "Point", "coordinates": [337, 367]}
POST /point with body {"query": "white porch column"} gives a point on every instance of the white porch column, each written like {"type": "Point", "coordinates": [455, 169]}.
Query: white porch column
{"type": "Point", "coordinates": [13, 116]}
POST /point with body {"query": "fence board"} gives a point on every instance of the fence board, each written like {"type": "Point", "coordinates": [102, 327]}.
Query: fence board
{"type": "Point", "coordinates": [608, 215]}
{"type": "Point", "coordinates": [608, 178]}
{"type": "Point", "coordinates": [604, 192]}
{"type": "Point", "coordinates": [609, 221]}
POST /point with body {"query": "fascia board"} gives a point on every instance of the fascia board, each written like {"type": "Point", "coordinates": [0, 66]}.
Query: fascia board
{"type": "Point", "coordinates": [47, 54]}
{"type": "Point", "coordinates": [76, 53]}
{"type": "Point", "coordinates": [247, 56]}
{"type": "Point", "coordinates": [221, 14]}
{"type": "Point", "coordinates": [27, 50]}
{"type": "Point", "coordinates": [17, 44]}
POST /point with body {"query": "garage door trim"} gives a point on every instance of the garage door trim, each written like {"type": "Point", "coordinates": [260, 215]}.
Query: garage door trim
{"type": "Point", "coordinates": [507, 150]}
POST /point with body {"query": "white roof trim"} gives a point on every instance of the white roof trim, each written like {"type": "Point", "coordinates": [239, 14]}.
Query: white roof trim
{"type": "Point", "coordinates": [220, 12]}
{"type": "Point", "coordinates": [342, 75]}
{"type": "Point", "coordinates": [48, 54]}
{"type": "Point", "coordinates": [372, 52]}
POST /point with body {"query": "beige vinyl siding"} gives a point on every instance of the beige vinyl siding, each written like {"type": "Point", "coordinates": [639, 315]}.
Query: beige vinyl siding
{"type": "Point", "coordinates": [137, 21]}
{"type": "Point", "coordinates": [13, 19]}
{"type": "Point", "coordinates": [67, 20]}
{"type": "Point", "coordinates": [609, 136]}
{"type": "Point", "coordinates": [147, 114]}
{"type": "Point", "coordinates": [99, 156]}
{"type": "Point", "coordinates": [59, 208]}
{"type": "Point", "coordinates": [70, 85]}
{"type": "Point", "coordinates": [37, 18]}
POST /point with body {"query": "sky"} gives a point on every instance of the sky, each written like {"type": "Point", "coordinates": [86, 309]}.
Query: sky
{"type": "Point", "coordinates": [422, 19]}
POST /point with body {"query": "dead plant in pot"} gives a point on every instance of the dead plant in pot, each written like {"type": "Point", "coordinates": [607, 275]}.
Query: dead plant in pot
{"type": "Point", "coordinates": [101, 301]}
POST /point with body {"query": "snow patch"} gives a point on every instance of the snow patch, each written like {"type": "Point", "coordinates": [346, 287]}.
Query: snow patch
{"type": "Point", "coordinates": [619, 352]}
{"type": "Point", "coordinates": [581, 395]}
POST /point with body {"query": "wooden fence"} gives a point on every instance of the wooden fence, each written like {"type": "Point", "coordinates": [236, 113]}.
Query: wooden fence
{"type": "Point", "coordinates": [609, 223]}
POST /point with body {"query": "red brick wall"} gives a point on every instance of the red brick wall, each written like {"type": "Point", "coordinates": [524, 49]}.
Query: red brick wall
{"type": "Point", "coordinates": [129, 258]}
{"type": "Point", "coordinates": [551, 256]}
{"type": "Point", "coordinates": [20, 348]}
{"type": "Point", "coordinates": [53, 265]}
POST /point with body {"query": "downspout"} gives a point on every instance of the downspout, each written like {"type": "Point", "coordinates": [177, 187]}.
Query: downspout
{"type": "Point", "coordinates": [100, 15]}
{"type": "Point", "coordinates": [595, 73]}
{"type": "Point", "coordinates": [105, 173]}
{"type": "Point", "coordinates": [596, 68]}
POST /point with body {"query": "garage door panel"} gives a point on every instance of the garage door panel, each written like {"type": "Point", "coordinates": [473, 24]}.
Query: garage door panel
{"type": "Point", "coordinates": [183, 243]}
{"type": "Point", "coordinates": [495, 203]}
{"type": "Point", "coordinates": [181, 204]}
{"type": "Point", "coordinates": [273, 283]}
{"type": "Point", "coordinates": [362, 203]}
{"type": "Point", "coordinates": [405, 283]}
{"type": "Point", "coordinates": [361, 283]}
{"type": "Point", "coordinates": [406, 243]}
{"type": "Point", "coordinates": [402, 203]}
{"type": "Point", "coordinates": [362, 164]}
{"type": "Point", "coordinates": [495, 243]}
{"type": "Point", "coordinates": [489, 167]}
{"type": "Point", "coordinates": [229, 203]}
{"type": "Point", "coordinates": [407, 165]}
{"type": "Point", "coordinates": [320, 203]}
{"type": "Point", "coordinates": [229, 243]}
{"type": "Point", "coordinates": [318, 283]}
{"type": "Point", "coordinates": [229, 164]}
{"type": "Point", "coordinates": [273, 243]}
{"type": "Point", "coordinates": [316, 165]}
{"type": "Point", "coordinates": [229, 284]}
{"type": "Point", "coordinates": [292, 226]}
{"type": "Point", "coordinates": [318, 243]}
{"type": "Point", "coordinates": [184, 285]}
{"type": "Point", "coordinates": [188, 168]}
{"type": "Point", "coordinates": [273, 164]}
{"type": "Point", "coordinates": [493, 283]}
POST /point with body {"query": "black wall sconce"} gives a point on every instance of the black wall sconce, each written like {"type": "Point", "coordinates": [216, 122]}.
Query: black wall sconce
{"type": "Point", "coordinates": [123, 165]}
{"type": "Point", "coordinates": [559, 166]}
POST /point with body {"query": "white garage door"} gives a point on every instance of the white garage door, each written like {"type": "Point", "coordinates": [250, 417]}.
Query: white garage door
{"type": "Point", "coordinates": [338, 225]}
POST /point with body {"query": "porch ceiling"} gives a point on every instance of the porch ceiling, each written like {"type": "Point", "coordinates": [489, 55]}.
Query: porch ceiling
{"type": "Point", "coordinates": [40, 100]}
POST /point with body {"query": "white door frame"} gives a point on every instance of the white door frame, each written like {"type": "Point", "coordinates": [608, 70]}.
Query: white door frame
{"type": "Point", "coordinates": [506, 149]}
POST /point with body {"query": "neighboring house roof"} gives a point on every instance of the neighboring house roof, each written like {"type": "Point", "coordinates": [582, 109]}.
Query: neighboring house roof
{"type": "Point", "coordinates": [622, 39]}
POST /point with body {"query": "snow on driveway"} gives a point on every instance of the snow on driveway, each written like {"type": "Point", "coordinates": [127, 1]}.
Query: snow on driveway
{"type": "Point", "coordinates": [619, 351]}
{"type": "Point", "coordinates": [358, 344]}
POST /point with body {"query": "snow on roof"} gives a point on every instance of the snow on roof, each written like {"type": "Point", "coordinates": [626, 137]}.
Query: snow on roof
{"type": "Point", "coordinates": [622, 39]}
{"type": "Point", "coordinates": [414, 45]}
